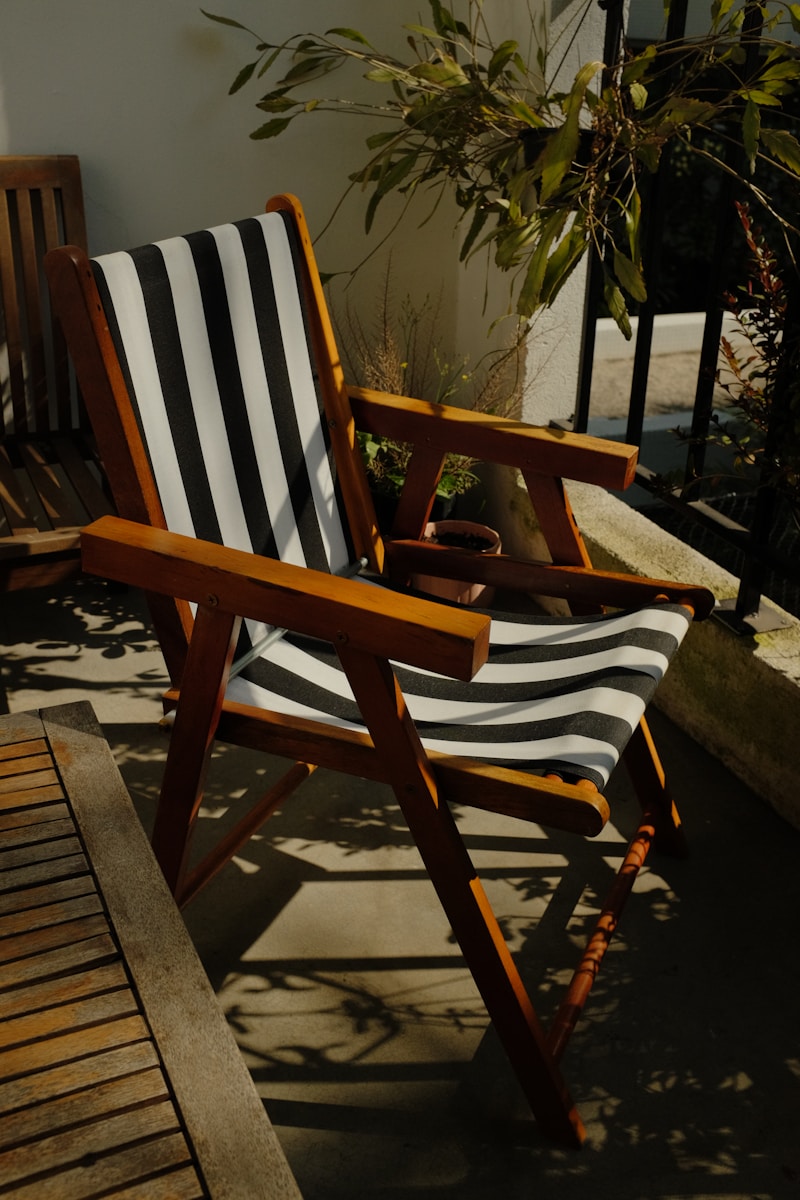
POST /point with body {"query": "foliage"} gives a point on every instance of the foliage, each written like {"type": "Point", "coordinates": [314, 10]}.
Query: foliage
{"type": "Point", "coordinates": [455, 109]}
{"type": "Point", "coordinates": [764, 387]}
{"type": "Point", "coordinates": [401, 353]}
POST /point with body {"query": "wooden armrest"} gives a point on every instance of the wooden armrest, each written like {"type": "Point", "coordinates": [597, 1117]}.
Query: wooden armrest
{"type": "Point", "coordinates": [419, 632]}
{"type": "Point", "coordinates": [583, 585]}
{"type": "Point", "coordinates": [545, 450]}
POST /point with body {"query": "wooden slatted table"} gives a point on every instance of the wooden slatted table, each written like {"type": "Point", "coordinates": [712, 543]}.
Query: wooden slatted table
{"type": "Point", "coordinates": [118, 1074]}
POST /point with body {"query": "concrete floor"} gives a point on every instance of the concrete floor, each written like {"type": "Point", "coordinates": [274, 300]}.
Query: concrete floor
{"type": "Point", "coordinates": [356, 1015]}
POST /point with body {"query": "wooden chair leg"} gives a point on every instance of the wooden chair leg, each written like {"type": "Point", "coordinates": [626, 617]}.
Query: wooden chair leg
{"type": "Point", "coordinates": [203, 685]}
{"type": "Point", "coordinates": [650, 784]}
{"type": "Point", "coordinates": [462, 897]}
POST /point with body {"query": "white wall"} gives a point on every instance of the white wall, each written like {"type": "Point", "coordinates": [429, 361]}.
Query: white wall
{"type": "Point", "coordinates": [139, 91]}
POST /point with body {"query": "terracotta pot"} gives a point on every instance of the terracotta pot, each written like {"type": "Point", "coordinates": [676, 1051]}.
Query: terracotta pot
{"type": "Point", "coordinates": [472, 536]}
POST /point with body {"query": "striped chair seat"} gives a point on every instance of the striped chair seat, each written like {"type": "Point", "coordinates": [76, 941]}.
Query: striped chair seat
{"type": "Point", "coordinates": [212, 337]}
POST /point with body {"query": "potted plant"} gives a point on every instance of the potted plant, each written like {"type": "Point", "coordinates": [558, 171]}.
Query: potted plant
{"type": "Point", "coordinates": [455, 109]}
{"type": "Point", "coordinates": [465, 535]}
{"type": "Point", "coordinates": [401, 352]}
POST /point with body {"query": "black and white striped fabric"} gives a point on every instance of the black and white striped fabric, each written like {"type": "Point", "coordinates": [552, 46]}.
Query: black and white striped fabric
{"type": "Point", "coordinates": [212, 338]}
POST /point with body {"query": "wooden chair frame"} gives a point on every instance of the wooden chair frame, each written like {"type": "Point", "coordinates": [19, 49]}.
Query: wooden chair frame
{"type": "Point", "coordinates": [228, 585]}
{"type": "Point", "coordinates": [48, 489]}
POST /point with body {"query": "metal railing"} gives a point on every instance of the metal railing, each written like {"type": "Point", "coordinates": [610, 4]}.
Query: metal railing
{"type": "Point", "coordinates": [755, 540]}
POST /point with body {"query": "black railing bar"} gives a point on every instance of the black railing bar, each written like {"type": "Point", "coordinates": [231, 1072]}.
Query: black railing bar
{"type": "Point", "coordinates": [593, 295]}
{"type": "Point", "coordinates": [753, 577]}
{"type": "Point", "coordinates": [730, 531]}
{"type": "Point", "coordinates": [752, 29]}
{"type": "Point", "coordinates": [763, 522]}
{"type": "Point", "coordinates": [699, 511]}
{"type": "Point", "coordinates": [675, 31]}
{"type": "Point", "coordinates": [614, 28]}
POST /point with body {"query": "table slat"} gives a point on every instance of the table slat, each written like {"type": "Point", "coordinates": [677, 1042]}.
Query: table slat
{"type": "Point", "coordinates": [118, 1078]}
{"type": "Point", "coordinates": [44, 915]}
{"type": "Point", "coordinates": [63, 1018]}
{"type": "Point", "coordinates": [42, 995]}
{"type": "Point", "coordinates": [99, 1141]}
{"type": "Point", "coordinates": [113, 1171]}
{"type": "Point", "coordinates": [67, 1078]}
{"type": "Point", "coordinates": [12, 799]}
{"type": "Point", "coordinates": [36, 941]}
{"type": "Point", "coordinates": [48, 893]}
{"type": "Point", "coordinates": [76, 1108]}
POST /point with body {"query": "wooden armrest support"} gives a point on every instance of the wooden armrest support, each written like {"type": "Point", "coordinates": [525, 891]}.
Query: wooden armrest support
{"type": "Point", "coordinates": [582, 585]}
{"type": "Point", "coordinates": [488, 438]}
{"type": "Point", "coordinates": [374, 620]}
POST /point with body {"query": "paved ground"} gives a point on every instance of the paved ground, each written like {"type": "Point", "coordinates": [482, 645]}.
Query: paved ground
{"type": "Point", "coordinates": [362, 1029]}
{"type": "Point", "coordinates": [671, 385]}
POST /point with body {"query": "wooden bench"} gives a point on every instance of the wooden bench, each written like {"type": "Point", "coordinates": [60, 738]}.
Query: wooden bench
{"type": "Point", "coordinates": [118, 1073]}
{"type": "Point", "coordinates": [50, 482]}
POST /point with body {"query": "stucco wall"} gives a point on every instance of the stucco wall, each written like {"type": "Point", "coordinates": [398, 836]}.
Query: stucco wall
{"type": "Point", "coordinates": [139, 91]}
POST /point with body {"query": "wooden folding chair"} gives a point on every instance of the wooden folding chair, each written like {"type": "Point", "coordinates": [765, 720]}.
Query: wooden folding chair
{"type": "Point", "coordinates": [50, 484]}
{"type": "Point", "coordinates": [228, 435]}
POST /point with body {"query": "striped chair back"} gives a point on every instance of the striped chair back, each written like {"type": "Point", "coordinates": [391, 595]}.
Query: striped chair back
{"type": "Point", "coordinates": [213, 340]}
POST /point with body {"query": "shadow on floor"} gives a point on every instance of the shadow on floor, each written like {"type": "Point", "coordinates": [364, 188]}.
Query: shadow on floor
{"type": "Point", "coordinates": [355, 1013]}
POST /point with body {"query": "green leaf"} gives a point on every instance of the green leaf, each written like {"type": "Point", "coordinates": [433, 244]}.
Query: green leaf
{"type": "Point", "coordinates": [685, 110]}
{"type": "Point", "coordinates": [242, 78]}
{"type": "Point", "coordinates": [617, 307]}
{"type": "Point", "coordinates": [577, 93]}
{"type": "Point", "coordinates": [751, 127]}
{"type": "Point", "coordinates": [446, 73]}
{"type": "Point", "coordinates": [639, 95]}
{"type": "Point", "coordinates": [382, 75]}
{"type": "Point", "coordinates": [629, 276]}
{"type": "Point", "coordinates": [650, 155]}
{"type": "Point", "coordinates": [530, 295]}
{"type": "Point", "coordinates": [638, 66]}
{"type": "Point", "coordinates": [224, 20]}
{"type": "Point", "coordinates": [372, 206]}
{"type": "Point", "coordinates": [563, 146]}
{"type": "Point", "coordinates": [352, 35]}
{"type": "Point", "coordinates": [720, 9]}
{"type": "Point", "coordinates": [785, 69]}
{"type": "Point", "coordinates": [443, 19]}
{"type": "Point", "coordinates": [424, 31]}
{"type": "Point", "coordinates": [269, 60]}
{"type": "Point", "coordinates": [501, 57]}
{"type": "Point", "coordinates": [376, 140]}
{"type": "Point", "coordinates": [397, 172]}
{"type": "Point", "coordinates": [271, 129]}
{"type": "Point", "coordinates": [763, 99]}
{"type": "Point", "coordinates": [512, 241]}
{"type": "Point", "coordinates": [519, 109]}
{"type": "Point", "coordinates": [277, 102]}
{"type": "Point", "coordinates": [563, 261]}
{"type": "Point", "coordinates": [308, 67]}
{"type": "Point", "coordinates": [559, 154]}
{"type": "Point", "coordinates": [794, 14]}
{"type": "Point", "coordinates": [633, 217]}
{"type": "Point", "coordinates": [784, 146]}
{"type": "Point", "coordinates": [479, 218]}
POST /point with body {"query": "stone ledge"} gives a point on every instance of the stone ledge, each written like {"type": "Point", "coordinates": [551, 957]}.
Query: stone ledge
{"type": "Point", "coordinates": [739, 697]}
